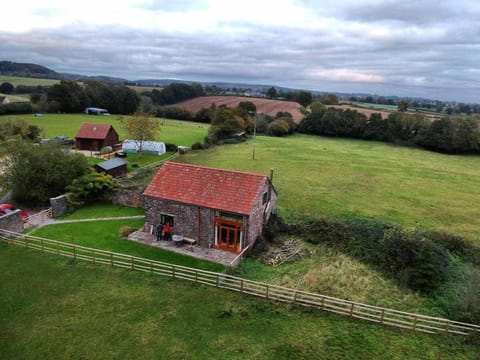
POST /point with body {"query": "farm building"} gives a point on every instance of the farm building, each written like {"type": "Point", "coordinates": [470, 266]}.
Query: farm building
{"type": "Point", "coordinates": [96, 111]}
{"type": "Point", "coordinates": [217, 208]}
{"type": "Point", "coordinates": [115, 167]}
{"type": "Point", "coordinates": [148, 147]}
{"type": "Point", "coordinates": [94, 137]}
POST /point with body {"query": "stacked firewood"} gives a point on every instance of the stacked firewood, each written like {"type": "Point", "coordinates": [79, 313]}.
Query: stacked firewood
{"type": "Point", "coordinates": [290, 250]}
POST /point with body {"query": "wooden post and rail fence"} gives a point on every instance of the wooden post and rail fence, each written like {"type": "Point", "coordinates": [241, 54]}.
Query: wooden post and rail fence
{"type": "Point", "coordinates": [399, 319]}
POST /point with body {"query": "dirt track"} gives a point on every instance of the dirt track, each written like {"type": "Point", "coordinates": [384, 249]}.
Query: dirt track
{"type": "Point", "coordinates": [266, 106]}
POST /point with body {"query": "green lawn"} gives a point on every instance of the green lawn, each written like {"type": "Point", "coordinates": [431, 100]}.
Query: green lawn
{"type": "Point", "coordinates": [105, 235]}
{"type": "Point", "coordinates": [53, 308]}
{"type": "Point", "coordinates": [341, 178]}
{"type": "Point", "coordinates": [100, 210]}
{"type": "Point", "coordinates": [172, 131]}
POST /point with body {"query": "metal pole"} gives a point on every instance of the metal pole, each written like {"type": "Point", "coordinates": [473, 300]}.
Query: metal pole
{"type": "Point", "coordinates": [254, 134]}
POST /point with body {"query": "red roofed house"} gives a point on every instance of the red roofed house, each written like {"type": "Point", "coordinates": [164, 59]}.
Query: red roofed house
{"type": "Point", "coordinates": [95, 137]}
{"type": "Point", "coordinates": [218, 208]}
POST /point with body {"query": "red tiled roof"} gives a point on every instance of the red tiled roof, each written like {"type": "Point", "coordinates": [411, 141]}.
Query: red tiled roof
{"type": "Point", "coordinates": [227, 190]}
{"type": "Point", "coordinates": [93, 131]}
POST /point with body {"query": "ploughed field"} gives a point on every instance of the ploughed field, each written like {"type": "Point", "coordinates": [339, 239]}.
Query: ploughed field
{"type": "Point", "coordinates": [266, 106]}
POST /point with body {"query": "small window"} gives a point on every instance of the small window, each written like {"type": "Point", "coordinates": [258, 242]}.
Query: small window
{"type": "Point", "coordinates": [265, 198]}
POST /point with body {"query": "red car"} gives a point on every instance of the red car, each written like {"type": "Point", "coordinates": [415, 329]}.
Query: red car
{"type": "Point", "coordinates": [9, 208]}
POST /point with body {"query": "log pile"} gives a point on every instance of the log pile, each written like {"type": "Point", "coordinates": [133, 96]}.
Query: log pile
{"type": "Point", "coordinates": [290, 250]}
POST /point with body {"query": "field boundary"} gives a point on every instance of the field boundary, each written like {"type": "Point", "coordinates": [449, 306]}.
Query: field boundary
{"type": "Point", "coordinates": [379, 315]}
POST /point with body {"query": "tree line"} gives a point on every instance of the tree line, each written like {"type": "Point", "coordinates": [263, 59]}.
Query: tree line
{"type": "Point", "coordinates": [456, 135]}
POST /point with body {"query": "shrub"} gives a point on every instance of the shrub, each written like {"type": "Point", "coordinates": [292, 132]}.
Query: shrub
{"type": "Point", "coordinates": [171, 147]}
{"type": "Point", "coordinates": [91, 186]}
{"type": "Point", "coordinates": [126, 230]}
{"type": "Point", "coordinates": [278, 127]}
{"type": "Point", "coordinates": [197, 146]}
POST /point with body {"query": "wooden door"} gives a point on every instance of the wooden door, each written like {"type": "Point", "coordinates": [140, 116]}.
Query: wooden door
{"type": "Point", "coordinates": [229, 235]}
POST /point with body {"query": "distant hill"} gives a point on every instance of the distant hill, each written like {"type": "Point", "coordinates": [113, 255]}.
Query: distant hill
{"type": "Point", "coordinates": [26, 70]}
{"type": "Point", "coordinates": [11, 68]}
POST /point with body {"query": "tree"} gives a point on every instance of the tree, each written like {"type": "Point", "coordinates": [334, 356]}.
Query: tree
{"type": "Point", "coordinates": [68, 96]}
{"type": "Point", "coordinates": [317, 106]}
{"type": "Point", "coordinates": [248, 106]}
{"type": "Point", "coordinates": [225, 124]}
{"type": "Point", "coordinates": [36, 173]}
{"type": "Point", "coordinates": [329, 99]}
{"type": "Point", "coordinates": [140, 127]}
{"type": "Point", "coordinates": [304, 98]}
{"type": "Point", "coordinates": [403, 105]}
{"type": "Point", "coordinates": [272, 93]}
{"type": "Point", "coordinates": [6, 88]}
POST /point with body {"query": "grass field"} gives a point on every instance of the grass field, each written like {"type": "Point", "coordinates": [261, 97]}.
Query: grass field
{"type": "Point", "coordinates": [16, 98]}
{"type": "Point", "coordinates": [172, 131]}
{"type": "Point", "coordinates": [54, 308]}
{"type": "Point", "coordinates": [16, 80]}
{"type": "Point", "coordinates": [341, 178]}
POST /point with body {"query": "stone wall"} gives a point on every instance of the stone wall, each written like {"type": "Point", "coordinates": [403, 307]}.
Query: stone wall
{"type": "Point", "coordinates": [60, 205]}
{"type": "Point", "coordinates": [12, 222]}
{"type": "Point", "coordinates": [190, 221]}
{"type": "Point", "coordinates": [128, 197]}
{"type": "Point", "coordinates": [260, 214]}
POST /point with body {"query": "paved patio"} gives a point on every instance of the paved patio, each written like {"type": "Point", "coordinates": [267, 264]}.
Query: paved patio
{"type": "Point", "coordinates": [214, 255]}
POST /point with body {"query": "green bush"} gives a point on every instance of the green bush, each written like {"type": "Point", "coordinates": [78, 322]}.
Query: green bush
{"type": "Point", "coordinates": [91, 186]}
{"type": "Point", "coordinates": [126, 230]}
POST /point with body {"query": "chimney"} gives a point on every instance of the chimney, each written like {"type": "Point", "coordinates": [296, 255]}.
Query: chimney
{"type": "Point", "coordinates": [271, 176]}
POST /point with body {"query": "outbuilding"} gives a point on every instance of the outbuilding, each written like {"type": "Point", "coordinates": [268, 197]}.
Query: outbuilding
{"type": "Point", "coordinates": [95, 137]}
{"type": "Point", "coordinates": [96, 111]}
{"type": "Point", "coordinates": [219, 208]}
{"type": "Point", "coordinates": [115, 167]}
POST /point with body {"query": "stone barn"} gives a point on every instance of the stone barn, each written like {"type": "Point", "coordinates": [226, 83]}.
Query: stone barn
{"type": "Point", "coordinates": [95, 137]}
{"type": "Point", "coordinates": [218, 208]}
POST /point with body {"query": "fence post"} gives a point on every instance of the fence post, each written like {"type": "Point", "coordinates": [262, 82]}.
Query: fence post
{"type": "Point", "coordinates": [267, 290]}
{"type": "Point", "coordinates": [382, 316]}
{"type": "Point", "coordinates": [151, 266]}
{"type": "Point", "coordinates": [196, 276]}
{"type": "Point", "coordinates": [74, 252]}
{"type": "Point", "coordinates": [173, 271]}
{"type": "Point", "coordinates": [41, 242]}
{"type": "Point", "coordinates": [241, 286]}
{"type": "Point", "coordinates": [218, 280]}
{"type": "Point", "coordinates": [294, 296]}
{"type": "Point", "coordinates": [94, 256]}
{"type": "Point", "coordinates": [351, 309]}
{"type": "Point", "coordinates": [111, 259]}
{"type": "Point", "coordinates": [415, 318]}
{"type": "Point", "coordinates": [447, 325]}
{"type": "Point", "coordinates": [26, 241]}
{"type": "Point", "coordinates": [132, 262]}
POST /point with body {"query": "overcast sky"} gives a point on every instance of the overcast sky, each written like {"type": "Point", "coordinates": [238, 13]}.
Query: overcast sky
{"type": "Point", "coordinates": [406, 48]}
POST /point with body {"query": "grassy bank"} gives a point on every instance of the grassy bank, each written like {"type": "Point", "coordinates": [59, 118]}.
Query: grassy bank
{"type": "Point", "coordinates": [56, 308]}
